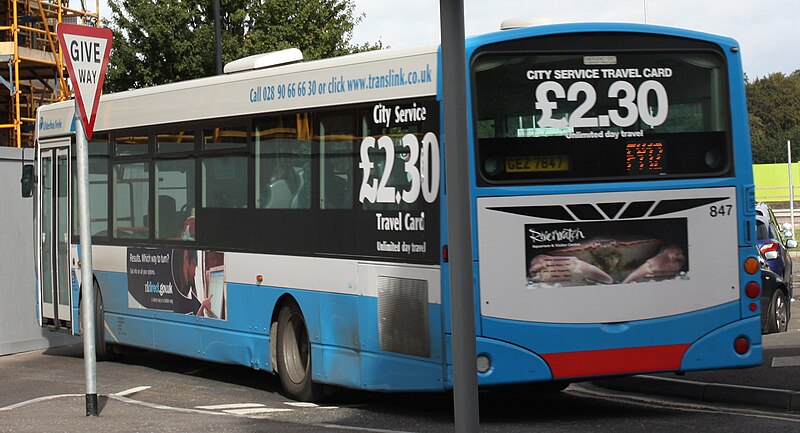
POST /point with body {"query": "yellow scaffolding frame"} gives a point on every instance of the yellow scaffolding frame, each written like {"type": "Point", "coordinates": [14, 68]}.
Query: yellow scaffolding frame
{"type": "Point", "coordinates": [50, 13]}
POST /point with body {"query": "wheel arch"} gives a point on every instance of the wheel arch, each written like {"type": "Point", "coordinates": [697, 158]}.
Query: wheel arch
{"type": "Point", "coordinates": [95, 281]}
{"type": "Point", "coordinates": [291, 352]}
{"type": "Point", "coordinates": [308, 304]}
{"type": "Point", "coordinates": [108, 351]}
{"type": "Point", "coordinates": [273, 328]}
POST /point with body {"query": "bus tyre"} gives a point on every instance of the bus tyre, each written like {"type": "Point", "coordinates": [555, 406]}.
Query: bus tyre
{"type": "Point", "coordinates": [778, 315]}
{"type": "Point", "coordinates": [103, 351]}
{"type": "Point", "coordinates": [294, 355]}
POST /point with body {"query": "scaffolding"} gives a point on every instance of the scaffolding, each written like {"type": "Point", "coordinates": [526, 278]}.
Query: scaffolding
{"type": "Point", "coordinates": [35, 73]}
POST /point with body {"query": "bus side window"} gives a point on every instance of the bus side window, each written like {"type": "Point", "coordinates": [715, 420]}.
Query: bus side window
{"type": "Point", "coordinates": [336, 148]}
{"type": "Point", "coordinates": [98, 187]}
{"type": "Point", "coordinates": [279, 181]}
{"type": "Point", "coordinates": [225, 181]}
{"type": "Point", "coordinates": [167, 217]}
{"type": "Point", "coordinates": [224, 167]}
{"type": "Point", "coordinates": [175, 189]}
{"type": "Point", "coordinates": [131, 197]}
{"type": "Point", "coordinates": [283, 162]}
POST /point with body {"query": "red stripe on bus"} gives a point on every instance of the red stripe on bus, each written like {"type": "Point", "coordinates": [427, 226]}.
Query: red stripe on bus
{"type": "Point", "coordinates": [615, 361]}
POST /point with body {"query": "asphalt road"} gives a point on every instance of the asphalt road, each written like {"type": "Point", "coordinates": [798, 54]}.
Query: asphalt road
{"type": "Point", "coordinates": [152, 392]}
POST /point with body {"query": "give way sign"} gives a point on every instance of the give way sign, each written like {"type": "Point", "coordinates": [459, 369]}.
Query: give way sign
{"type": "Point", "coordinates": [86, 51]}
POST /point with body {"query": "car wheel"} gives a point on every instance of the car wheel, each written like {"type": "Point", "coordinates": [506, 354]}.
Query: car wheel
{"type": "Point", "coordinates": [294, 355]}
{"type": "Point", "coordinates": [778, 317]}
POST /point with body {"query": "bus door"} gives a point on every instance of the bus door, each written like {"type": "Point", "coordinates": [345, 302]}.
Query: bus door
{"type": "Point", "coordinates": [55, 298]}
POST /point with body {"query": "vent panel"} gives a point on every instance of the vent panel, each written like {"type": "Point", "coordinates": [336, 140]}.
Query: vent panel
{"type": "Point", "coordinates": [403, 316]}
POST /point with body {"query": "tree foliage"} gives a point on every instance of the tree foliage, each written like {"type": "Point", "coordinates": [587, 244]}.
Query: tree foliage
{"type": "Point", "coordinates": [774, 106]}
{"type": "Point", "coordinates": [163, 41]}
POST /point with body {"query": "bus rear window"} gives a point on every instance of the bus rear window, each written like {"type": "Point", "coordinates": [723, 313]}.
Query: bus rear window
{"type": "Point", "coordinates": [581, 117]}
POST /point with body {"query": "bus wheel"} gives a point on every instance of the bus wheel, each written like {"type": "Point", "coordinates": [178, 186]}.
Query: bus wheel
{"type": "Point", "coordinates": [294, 355]}
{"type": "Point", "coordinates": [103, 351]}
{"type": "Point", "coordinates": [778, 315]}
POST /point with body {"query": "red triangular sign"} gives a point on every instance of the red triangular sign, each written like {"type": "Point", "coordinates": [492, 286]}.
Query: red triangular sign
{"type": "Point", "coordinates": [86, 50]}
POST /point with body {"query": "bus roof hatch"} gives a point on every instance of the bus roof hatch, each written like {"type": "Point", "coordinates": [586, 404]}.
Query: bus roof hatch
{"type": "Point", "coordinates": [267, 60]}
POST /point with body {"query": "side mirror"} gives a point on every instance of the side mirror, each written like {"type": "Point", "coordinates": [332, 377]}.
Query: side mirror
{"type": "Point", "coordinates": [791, 243]}
{"type": "Point", "coordinates": [27, 180]}
{"type": "Point", "coordinates": [787, 230]}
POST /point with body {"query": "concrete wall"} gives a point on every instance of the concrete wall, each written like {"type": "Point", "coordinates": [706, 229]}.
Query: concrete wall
{"type": "Point", "coordinates": [19, 328]}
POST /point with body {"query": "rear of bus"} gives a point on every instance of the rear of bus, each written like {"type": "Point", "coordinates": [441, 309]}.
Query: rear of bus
{"type": "Point", "coordinates": [613, 203]}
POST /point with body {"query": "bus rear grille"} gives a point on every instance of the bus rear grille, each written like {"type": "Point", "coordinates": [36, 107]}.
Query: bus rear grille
{"type": "Point", "coordinates": [403, 316]}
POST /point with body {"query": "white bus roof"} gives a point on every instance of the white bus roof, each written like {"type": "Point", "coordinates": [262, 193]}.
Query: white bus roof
{"type": "Point", "coordinates": [362, 77]}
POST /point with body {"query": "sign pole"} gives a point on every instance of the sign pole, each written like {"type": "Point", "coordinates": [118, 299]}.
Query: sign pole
{"type": "Point", "coordinates": [791, 185]}
{"type": "Point", "coordinates": [87, 280]}
{"type": "Point", "coordinates": [86, 51]}
{"type": "Point", "coordinates": [462, 291]}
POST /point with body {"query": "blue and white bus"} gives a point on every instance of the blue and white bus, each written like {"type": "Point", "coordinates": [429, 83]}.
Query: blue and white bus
{"type": "Point", "coordinates": [291, 216]}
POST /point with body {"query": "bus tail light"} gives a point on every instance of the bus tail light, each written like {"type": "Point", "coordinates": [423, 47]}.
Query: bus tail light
{"type": "Point", "coordinates": [752, 290]}
{"type": "Point", "coordinates": [751, 265]}
{"type": "Point", "coordinates": [444, 253]}
{"type": "Point", "coordinates": [741, 345]}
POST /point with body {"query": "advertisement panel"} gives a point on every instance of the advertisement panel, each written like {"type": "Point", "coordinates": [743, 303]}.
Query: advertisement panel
{"type": "Point", "coordinates": [399, 164]}
{"type": "Point", "coordinates": [182, 281]}
{"type": "Point", "coordinates": [609, 252]}
{"type": "Point", "coordinates": [607, 257]}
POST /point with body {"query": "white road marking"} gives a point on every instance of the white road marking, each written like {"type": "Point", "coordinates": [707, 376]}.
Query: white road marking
{"type": "Point", "coordinates": [348, 427]}
{"type": "Point", "coordinates": [39, 399]}
{"type": "Point", "coordinates": [122, 398]}
{"type": "Point", "coordinates": [649, 401]}
{"type": "Point", "coordinates": [308, 405]}
{"type": "Point", "coordinates": [161, 406]}
{"type": "Point", "coordinates": [132, 391]}
{"type": "Point", "coordinates": [256, 410]}
{"type": "Point", "coordinates": [785, 361]}
{"type": "Point", "coordinates": [230, 406]}
{"type": "Point", "coordinates": [300, 404]}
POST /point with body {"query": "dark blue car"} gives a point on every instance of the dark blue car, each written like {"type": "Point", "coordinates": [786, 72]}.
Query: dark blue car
{"type": "Point", "coordinates": [774, 242]}
{"type": "Point", "coordinates": [776, 298]}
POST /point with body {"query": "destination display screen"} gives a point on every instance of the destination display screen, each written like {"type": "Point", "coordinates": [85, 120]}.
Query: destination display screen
{"type": "Point", "coordinates": [545, 115]}
{"type": "Point", "coordinates": [538, 163]}
{"type": "Point", "coordinates": [645, 157]}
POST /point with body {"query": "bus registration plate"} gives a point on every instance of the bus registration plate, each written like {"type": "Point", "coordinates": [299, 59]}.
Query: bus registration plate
{"type": "Point", "coordinates": [528, 164]}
